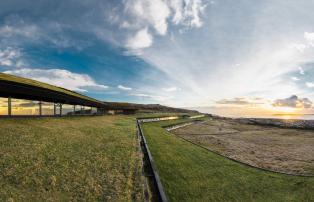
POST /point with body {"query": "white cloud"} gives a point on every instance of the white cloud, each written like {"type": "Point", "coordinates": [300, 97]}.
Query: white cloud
{"type": "Point", "coordinates": [170, 89]}
{"type": "Point", "coordinates": [155, 15]}
{"type": "Point", "coordinates": [294, 78]}
{"type": "Point", "coordinates": [309, 84]}
{"type": "Point", "coordinates": [10, 57]}
{"type": "Point", "coordinates": [301, 71]}
{"type": "Point", "coordinates": [142, 39]}
{"type": "Point", "coordinates": [20, 30]}
{"type": "Point", "coordinates": [124, 87]}
{"type": "Point", "coordinates": [299, 46]}
{"type": "Point", "coordinates": [151, 12]}
{"type": "Point", "coordinates": [60, 77]}
{"type": "Point", "coordinates": [188, 13]}
{"type": "Point", "coordinates": [309, 36]}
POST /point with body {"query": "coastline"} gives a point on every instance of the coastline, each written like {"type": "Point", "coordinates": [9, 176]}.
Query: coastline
{"type": "Point", "coordinates": [277, 122]}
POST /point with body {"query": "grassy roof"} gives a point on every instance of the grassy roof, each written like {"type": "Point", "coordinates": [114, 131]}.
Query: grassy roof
{"type": "Point", "coordinates": [30, 82]}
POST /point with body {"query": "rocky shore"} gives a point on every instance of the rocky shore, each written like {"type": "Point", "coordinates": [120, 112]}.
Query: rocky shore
{"type": "Point", "coordinates": [283, 123]}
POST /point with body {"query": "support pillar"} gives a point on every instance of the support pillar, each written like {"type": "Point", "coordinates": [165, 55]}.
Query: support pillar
{"type": "Point", "coordinates": [60, 109]}
{"type": "Point", "coordinates": [74, 109]}
{"type": "Point", "coordinates": [54, 109]}
{"type": "Point", "coordinates": [9, 106]}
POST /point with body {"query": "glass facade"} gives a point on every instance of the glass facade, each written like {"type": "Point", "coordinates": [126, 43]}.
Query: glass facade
{"type": "Point", "coordinates": [47, 108]}
{"type": "Point", "coordinates": [3, 106]}
{"type": "Point", "coordinates": [25, 107]}
{"type": "Point", "coordinates": [93, 110]}
{"type": "Point", "coordinates": [87, 110]}
{"type": "Point", "coordinates": [20, 107]}
{"type": "Point", "coordinates": [67, 109]}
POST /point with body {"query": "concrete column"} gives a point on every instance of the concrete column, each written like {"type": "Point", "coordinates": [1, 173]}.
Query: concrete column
{"type": "Point", "coordinates": [54, 109]}
{"type": "Point", "coordinates": [9, 106]}
{"type": "Point", "coordinates": [60, 109]}
{"type": "Point", "coordinates": [74, 106]}
{"type": "Point", "coordinates": [40, 108]}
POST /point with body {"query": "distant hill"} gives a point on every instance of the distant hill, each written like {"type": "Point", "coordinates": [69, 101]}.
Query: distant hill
{"type": "Point", "coordinates": [147, 107]}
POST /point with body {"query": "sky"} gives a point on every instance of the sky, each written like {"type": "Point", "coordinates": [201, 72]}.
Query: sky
{"type": "Point", "coordinates": [218, 56]}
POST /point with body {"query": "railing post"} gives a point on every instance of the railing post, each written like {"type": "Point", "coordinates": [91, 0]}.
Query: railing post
{"type": "Point", "coordinates": [9, 106]}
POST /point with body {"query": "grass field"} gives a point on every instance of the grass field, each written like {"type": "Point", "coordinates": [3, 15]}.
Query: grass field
{"type": "Point", "coordinates": [190, 173]}
{"type": "Point", "coordinates": [70, 159]}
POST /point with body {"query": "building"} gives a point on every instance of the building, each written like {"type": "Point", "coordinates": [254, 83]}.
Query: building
{"type": "Point", "coordinates": [26, 97]}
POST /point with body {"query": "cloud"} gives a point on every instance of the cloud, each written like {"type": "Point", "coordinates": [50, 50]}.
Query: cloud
{"type": "Point", "coordinates": [188, 13]}
{"type": "Point", "coordinates": [309, 84]}
{"type": "Point", "coordinates": [309, 36]}
{"type": "Point", "coordinates": [124, 87]}
{"type": "Point", "coordinates": [155, 15]}
{"type": "Point", "coordinates": [152, 13]}
{"type": "Point", "coordinates": [241, 101]}
{"type": "Point", "coordinates": [301, 71]}
{"type": "Point", "coordinates": [24, 30]}
{"type": "Point", "coordinates": [60, 77]}
{"type": "Point", "coordinates": [10, 57]}
{"type": "Point", "coordinates": [299, 46]}
{"type": "Point", "coordinates": [142, 39]}
{"type": "Point", "coordinates": [294, 78]}
{"type": "Point", "coordinates": [170, 89]}
{"type": "Point", "coordinates": [294, 102]}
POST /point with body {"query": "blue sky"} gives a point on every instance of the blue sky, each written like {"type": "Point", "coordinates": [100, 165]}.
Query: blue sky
{"type": "Point", "coordinates": [217, 54]}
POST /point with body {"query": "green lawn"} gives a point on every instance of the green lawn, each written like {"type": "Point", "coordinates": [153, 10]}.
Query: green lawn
{"type": "Point", "coordinates": [70, 159]}
{"type": "Point", "coordinates": [190, 173]}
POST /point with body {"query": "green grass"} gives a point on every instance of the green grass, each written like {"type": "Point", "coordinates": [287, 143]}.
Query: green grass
{"type": "Point", "coordinates": [16, 79]}
{"type": "Point", "coordinates": [70, 159]}
{"type": "Point", "coordinates": [190, 173]}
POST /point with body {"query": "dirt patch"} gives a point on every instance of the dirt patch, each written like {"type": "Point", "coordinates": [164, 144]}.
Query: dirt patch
{"type": "Point", "coordinates": [284, 150]}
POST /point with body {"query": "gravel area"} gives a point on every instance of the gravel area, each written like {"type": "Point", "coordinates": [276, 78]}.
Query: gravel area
{"type": "Point", "coordinates": [278, 149]}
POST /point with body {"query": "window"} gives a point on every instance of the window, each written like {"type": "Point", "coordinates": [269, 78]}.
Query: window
{"type": "Point", "coordinates": [3, 106]}
{"type": "Point", "coordinates": [25, 107]}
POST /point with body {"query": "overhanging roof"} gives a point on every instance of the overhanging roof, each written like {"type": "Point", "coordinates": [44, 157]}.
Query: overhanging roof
{"type": "Point", "coordinates": [22, 88]}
